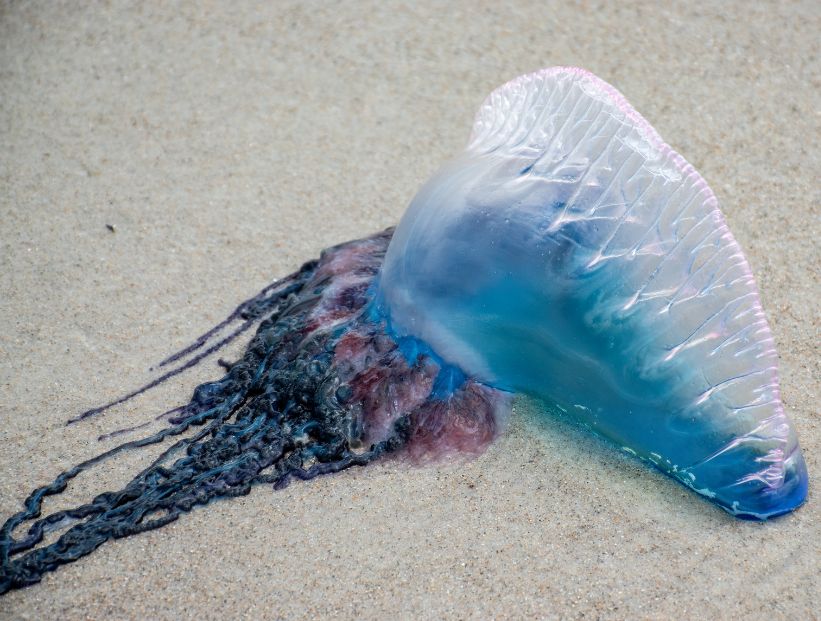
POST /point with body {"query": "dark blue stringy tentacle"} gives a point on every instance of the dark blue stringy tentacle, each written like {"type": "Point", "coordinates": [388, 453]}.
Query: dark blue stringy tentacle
{"type": "Point", "coordinates": [248, 312]}
{"type": "Point", "coordinates": [320, 388]}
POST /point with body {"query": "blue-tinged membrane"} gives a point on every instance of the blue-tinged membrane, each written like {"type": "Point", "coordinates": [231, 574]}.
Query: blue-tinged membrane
{"type": "Point", "coordinates": [449, 377]}
{"type": "Point", "coordinates": [586, 265]}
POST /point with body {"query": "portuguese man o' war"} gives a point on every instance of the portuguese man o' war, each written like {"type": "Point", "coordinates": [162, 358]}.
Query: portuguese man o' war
{"type": "Point", "coordinates": [568, 253]}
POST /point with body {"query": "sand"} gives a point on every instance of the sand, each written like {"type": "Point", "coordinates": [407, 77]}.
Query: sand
{"type": "Point", "coordinates": [229, 142]}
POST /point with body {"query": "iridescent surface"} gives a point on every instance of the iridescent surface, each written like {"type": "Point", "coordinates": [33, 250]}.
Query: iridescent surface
{"type": "Point", "coordinates": [571, 254]}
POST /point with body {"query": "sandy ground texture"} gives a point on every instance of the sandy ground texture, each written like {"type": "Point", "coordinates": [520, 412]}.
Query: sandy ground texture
{"type": "Point", "coordinates": [227, 143]}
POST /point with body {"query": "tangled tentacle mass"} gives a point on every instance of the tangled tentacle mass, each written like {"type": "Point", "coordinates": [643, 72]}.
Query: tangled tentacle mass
{"type": "Point", "coordinates": [322, 387]}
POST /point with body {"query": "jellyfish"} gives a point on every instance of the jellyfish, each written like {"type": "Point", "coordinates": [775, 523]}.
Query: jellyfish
{"type": "Point", "coordinates": [568, 254]}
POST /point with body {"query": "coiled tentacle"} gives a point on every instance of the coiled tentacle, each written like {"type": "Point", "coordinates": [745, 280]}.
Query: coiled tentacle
{"type": "Point", "coordinates": [321, 387]}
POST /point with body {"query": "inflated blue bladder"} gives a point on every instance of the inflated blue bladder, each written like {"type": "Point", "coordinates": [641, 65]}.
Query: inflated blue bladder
{"type": "Point", "coordinates": [569, 253]}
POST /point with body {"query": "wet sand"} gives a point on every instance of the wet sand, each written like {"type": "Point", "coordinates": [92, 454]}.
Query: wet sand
{"type": "Point", "coordinates": [227, 144]}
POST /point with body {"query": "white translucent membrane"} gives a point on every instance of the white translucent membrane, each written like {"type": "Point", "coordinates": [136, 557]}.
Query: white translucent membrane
{"type": "Point", "coordinates": [571, 254]}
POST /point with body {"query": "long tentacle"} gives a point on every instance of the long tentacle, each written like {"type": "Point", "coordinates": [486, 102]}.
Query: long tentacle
{"type": "Point", "coordinates": [268, 419]}
{"type": "Point", "coordinates": [248, 311]}
{"type": "Point", "coordinates": [320, 388]}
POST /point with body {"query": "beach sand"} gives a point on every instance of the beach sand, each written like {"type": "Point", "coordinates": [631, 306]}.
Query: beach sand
{"type": "Point", "coordinates": [230, 142]}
